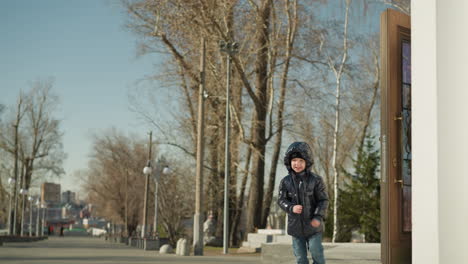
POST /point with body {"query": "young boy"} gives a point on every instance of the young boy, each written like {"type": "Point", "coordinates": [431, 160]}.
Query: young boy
{"type": "Point", "coordinates": [303, 196]}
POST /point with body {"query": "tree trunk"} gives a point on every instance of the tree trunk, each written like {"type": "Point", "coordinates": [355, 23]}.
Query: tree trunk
{"type": "Point", "coordinates": [372, 103]}
{"type": "Point", "coordinates": [279, 136]}
{"type": "Point", "coordinates": [240, 201]}
{"type": "Point", "coordinates": [235, 147]}
{"type": "Point", "coordinates": [214, 182]}
{"type": "Point", "coordinates": [334, 163]}
{"type": "Point", "coordinates": [338, 75]}
{"type": "Point", "coordinates": [254, 214]}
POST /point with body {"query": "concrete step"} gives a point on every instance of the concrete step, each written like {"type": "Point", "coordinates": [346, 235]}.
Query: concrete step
{"type": "Point", "coordinates": [255, 240]}
{"type": "Point", "coordinates": [286, 239]}
{"type": "Point", "coordinates": [248, 250]}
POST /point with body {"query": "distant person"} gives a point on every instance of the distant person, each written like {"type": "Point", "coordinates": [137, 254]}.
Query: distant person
{"type": "Point", "coordinates": [303, 196]}
{"type": "Point", "coordinates": [61, 231]}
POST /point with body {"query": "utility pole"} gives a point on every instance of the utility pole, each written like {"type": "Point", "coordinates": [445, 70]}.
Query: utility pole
{"type": "Point", "coordinates": [44, 217]}
{"type": "Point", "coordinates": [12, 184]}
{"type": "Point", "coordinates": [230, 48]}
{"type": "Point", "coordinates": [126, 202]}
{"type": "Point", "coordinates": [198, 217]}
{"type": "Point", "coordinates": [30, 199]}
{"type": "Point", "coordinates": [156, 178]}
{"type": "Point", "coordinates": [15, 188]}
{"type": "Point", "coordinates": [38, 215]}
{"type": "Point", "coordinates": [23, 192]}
{"type": "Point", "coordinates": [147, 175]}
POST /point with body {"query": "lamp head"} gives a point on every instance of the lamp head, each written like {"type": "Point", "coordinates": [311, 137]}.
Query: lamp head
{"type": "Point", "coordinates": [166, 170]}
{"type": "Point", "coordinates": [147, 170]}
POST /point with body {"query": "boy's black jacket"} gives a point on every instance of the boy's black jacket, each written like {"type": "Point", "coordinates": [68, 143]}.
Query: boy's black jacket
{"type": "Point", "coordinates": [310, 193]}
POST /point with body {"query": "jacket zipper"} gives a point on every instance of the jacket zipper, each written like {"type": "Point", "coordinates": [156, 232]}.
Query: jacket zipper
{"type": "Point", "coordinates": [301, 215]}
{"type": "Point", "coordinates": [303, 209]}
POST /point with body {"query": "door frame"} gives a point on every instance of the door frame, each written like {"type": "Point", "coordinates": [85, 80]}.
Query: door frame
{"type": "Point", "coordinates": [395, 244]}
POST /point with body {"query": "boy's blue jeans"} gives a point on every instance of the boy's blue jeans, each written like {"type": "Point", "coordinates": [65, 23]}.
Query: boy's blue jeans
{"type": "Point", "coordinates": [315, 247]}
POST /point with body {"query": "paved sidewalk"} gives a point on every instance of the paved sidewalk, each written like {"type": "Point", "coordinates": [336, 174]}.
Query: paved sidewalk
{"type": "Point", "coordinates": [74, 250]}
{"type": "Point", "coordinates": [338, 253]}
{"type": "Point", "coordinates": [352, 253]}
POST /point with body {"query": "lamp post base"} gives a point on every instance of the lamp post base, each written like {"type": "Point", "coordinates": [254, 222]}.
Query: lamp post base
{"type": "Point", "coordinates": [198, 234]}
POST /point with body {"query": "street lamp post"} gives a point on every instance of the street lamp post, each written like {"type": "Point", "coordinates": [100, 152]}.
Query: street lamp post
{"type": "Point", "coordinates": [16, 172]}
{"type": "Point", "coordinates": [23, 192]}
{"type": "Point", "coordinates": [38, 216]}
{"type": "Point", "coordinates": [156, 175]}
{"type": "Point", "coordinates": [44, 220]}
{"type": "Point", "coordinates": [11, 182]}
{"type": "Point", "coordinates": [30, 199]}
{"type": "Point", "coordinates": [146, 171]}
{"type": "Point", "coordinates": [198, 216]}
{"type": "Point", "coordinates": [230, 48]}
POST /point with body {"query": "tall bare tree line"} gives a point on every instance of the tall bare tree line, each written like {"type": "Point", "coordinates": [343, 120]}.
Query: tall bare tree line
{"type": "Point", "coordinates": [343, 115]}
{"type": "Point", "coordinates": [278, 44]}
{"type": "Point", "coordinates": [114, 181]}
{"type": "Point", "coordinates": [31, 139]}
{"type": "Point", "coordinates": [261, 70]}
{"type": "Point", "coordinates": [283, 70]}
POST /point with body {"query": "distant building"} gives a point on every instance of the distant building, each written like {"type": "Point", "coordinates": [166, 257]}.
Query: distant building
{"type": "Point", "coordinates": [50, 193]}
{"type": "Point", "coordinates": [68, 197]}
{"type": "Point", "coordinates": [71, 211]}
{"type": "Point", "coordinates": [53, 213]}
{"type": "Point", "coordinates": [86, 211]}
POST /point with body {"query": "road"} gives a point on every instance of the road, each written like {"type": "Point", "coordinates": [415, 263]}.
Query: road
{"type": "Point", "coordinates": [74, 250]}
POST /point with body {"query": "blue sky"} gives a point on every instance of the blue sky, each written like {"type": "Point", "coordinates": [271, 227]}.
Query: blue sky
{"type": "Point", "coordinates": [85, 47]}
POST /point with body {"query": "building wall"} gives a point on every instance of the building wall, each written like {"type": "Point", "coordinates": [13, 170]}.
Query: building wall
{"type": "Point", "coordinates": [440, 130]}
{"type": "Point", "coordinates": [68, 197]}
{"type": "Point", "coordinates": [452, 113]}
{"type": "Point", "coordinates": [50, 192]}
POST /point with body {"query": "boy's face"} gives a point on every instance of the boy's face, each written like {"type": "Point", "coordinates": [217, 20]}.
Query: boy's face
{"type": "Point", "coordinates": [298, 164]}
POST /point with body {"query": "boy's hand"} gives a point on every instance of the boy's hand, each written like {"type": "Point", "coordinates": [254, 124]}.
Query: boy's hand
{"type": "Point", "coordinates": [297, 209]}
{"type": "Point", "coordinates": [315, 223]}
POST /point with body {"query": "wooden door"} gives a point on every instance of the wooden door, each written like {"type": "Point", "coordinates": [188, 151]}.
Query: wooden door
{"type": "Point", "coordinates": [395, 45]}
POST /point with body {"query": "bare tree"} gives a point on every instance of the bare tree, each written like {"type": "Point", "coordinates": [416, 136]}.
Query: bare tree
{"type": "Point", "coordinates": [371, 71]}
{"type": "Point", "coordinates": [291, 10]}
{"type": "Point", "coordinates": [338, 71]}
{"type": "Point", "coordinates": [176, 200]}
{"type": "Point", "coordinates": [345, 114]}
{"type": "Point", "coordinates": [41, 147]}
{"type": "Point", "coordinates": [32, 136]}
{"type": "Point", "coordinates": [115, 182]}
{"type": "Point", "coordinates": [265, 31]}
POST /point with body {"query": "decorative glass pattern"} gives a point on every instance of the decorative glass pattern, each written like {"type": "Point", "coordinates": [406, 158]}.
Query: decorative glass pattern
{"type": "Point", "coordinates": [406, 135]}
{"type": "Point", "coordinates": [406, 208]}
{"type": "Point", "coordinates": [406, 61]}
{"type": "Point", "coordinates": [406, 96]}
